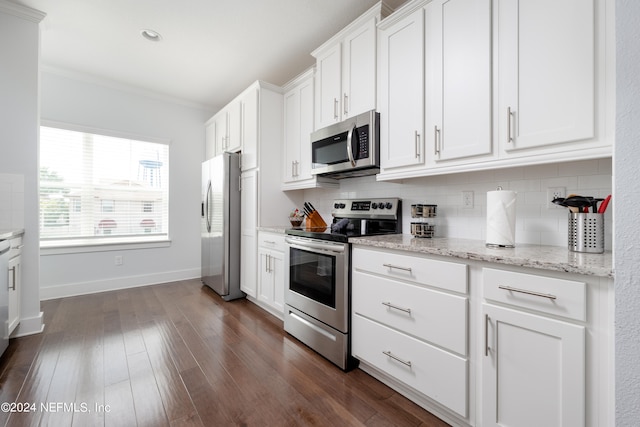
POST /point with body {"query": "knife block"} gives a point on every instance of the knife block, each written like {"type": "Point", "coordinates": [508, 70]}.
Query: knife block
{"type": "Point", "coordinates": [315, 222]}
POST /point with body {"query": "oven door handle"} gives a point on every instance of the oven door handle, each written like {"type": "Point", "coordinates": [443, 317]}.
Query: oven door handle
{"type": "Point", "coordinates": [319, 247]}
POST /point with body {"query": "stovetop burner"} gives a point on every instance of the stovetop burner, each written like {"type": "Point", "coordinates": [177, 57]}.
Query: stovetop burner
{"type": "Point", "coordinates": [356, 218]}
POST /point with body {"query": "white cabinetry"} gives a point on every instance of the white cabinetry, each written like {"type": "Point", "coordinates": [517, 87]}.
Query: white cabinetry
{"type": "Point", "coordinates": [410, 322]}
{"type": "Point", "coordinates": [248, 231]}
{"type": "Point", "coordinates": [15, 283]}
{"type": "Point", "coordinates": [346, 70]}
{"type": "Point", "coordinates": [298, 125]}
{"type": "Point", "coordinates": [546, 65]}
{"type": "Point", "coordinates": [533, 367]}
{"type": "Point", "coordinates": [458, 78]}
{"type": "Point", "coordinates": [271, 283]}
{"type": "Point", "coordinates": [503, 83]}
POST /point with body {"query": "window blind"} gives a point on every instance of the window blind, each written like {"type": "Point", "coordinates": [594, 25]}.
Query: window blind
{"type": "Point", "coordinates": [97, 186]}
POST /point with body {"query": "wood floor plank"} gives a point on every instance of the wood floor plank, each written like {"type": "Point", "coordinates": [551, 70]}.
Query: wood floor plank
{"type": "Point", "coordinates": [176, 354]}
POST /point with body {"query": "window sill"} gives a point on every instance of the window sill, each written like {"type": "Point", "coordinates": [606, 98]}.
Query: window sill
{"type": "Point", "coordinates": [60, 247]}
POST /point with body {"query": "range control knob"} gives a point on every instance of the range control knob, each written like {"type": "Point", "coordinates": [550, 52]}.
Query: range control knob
{"type": "Point", "coordinates": [342, 205]}
{"type": "Point", "coordinates": [388, 205]}
{"type": "Point", "coordinates": [374, 205]}
{"type": "Point", "coordinates": [336, 205]}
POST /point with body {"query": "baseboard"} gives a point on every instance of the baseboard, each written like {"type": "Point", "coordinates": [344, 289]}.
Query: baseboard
{"type": "Point", "coordinates": [29, 326]}
{"type": "Point", "coordinates": [84, 288]}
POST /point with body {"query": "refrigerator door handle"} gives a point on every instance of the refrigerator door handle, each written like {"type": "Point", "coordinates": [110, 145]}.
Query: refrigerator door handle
{"type": "Point", "coordinates": [208, 214]}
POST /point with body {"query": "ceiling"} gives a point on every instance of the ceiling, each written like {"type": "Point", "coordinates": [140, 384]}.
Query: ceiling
{"type": "Point", "coordinates": [210, 50]}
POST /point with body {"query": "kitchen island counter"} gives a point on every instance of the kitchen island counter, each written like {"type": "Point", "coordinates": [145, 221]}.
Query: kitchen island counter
{"type": "Point", "coordinates": [555, 258]}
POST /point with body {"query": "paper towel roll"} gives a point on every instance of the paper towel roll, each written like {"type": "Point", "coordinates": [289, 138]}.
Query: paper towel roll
{"type": "Point", "coordinates": [501, 218]}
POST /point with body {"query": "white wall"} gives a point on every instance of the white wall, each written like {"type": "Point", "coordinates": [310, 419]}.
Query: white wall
{"type": "Point", "coordinates": [535, 222]}
{"type": "Point", "coordinates": [627, 232]}
{"type": "Point", "coordinates": [19, 51]}
{"type": "Point", "coordinates": [81, 101]}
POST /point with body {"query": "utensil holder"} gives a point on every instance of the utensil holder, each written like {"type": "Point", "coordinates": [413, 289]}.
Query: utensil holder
{"type": "Point", "coordinates": [586, 232]}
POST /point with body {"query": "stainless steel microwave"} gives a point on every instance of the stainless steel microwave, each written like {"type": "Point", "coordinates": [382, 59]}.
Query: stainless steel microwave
{"type": "Point", "coordinates": [349, 148]}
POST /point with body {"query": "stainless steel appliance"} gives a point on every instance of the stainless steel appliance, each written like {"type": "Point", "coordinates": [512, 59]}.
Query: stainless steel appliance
{"type": "Point", "coordinates": [220, 225]}
{"type": "Point", "coordinates": [5, 246]}
{"type": "Point", "coordinates": [318, 276]}
{"type": "Point", "coordinates": [349, 148]}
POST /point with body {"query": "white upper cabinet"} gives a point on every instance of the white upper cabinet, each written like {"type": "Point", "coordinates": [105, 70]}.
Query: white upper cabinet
{"type": "Point", "coordinates": [234, 137]}
{"type": "Point", "coordinates": [401, 91]}
{"type": "Point", "coordinates": [248, 103]}
{"type": "Point", "coordinates": [548, 58]}
{"type": "Point", "coordinates": [458, 78]}
{"type": "Point", "coordinates": [346, 70]}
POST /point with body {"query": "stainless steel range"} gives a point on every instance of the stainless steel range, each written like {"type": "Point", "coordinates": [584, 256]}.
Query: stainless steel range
{"type": "Point", "coordinates": [318, 270]}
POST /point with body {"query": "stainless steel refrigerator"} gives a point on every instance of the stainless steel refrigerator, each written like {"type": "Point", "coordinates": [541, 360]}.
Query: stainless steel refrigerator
{"type": "Point", "coordinates": [220, 227]}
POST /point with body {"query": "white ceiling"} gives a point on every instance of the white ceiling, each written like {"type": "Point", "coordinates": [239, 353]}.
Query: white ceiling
{"type": "Point", "coordinates": [211, 49]}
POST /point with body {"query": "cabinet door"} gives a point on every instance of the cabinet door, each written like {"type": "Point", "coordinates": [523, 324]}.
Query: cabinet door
{"type": "Point", "coordinates": [248, 226]}
{"type": "Point", "coordinates": [265, 277]}
{"type": "Point", "coordinates": [359, 70]}
{"type": "Point", "coordinates": [249, 125]}
{"type": "Point", "coordinates": [292, 114]}
{"type": "Point", "coordinates": [234, 131]}
{"type": "Point", "coordinates": [277, 271]}
{"type": "Point", "coordinates": [546, 74]}
{"type": "Point", "coordinates": [458, 78]}
{"type": "Point", "coordinates": [533, 370]}
{"type": "Point", "coordinates": [14, 280]}
{"type": "Point", "coordinates": [328, 90]}
{"type": "Point", "coordinates": [306, 127]}
{"type": "Point", "coordinates": [210, 140]}
{"type": "Point", "coordinates": [402, 92]}
{"type": "Point", "coordinates": [221, 132]}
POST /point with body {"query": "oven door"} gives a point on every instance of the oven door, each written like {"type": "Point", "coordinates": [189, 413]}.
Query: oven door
{"type": "Point", "coordinates": [317, 280]}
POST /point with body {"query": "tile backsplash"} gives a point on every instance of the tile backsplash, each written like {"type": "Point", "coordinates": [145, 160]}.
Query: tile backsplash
{"type": "Point", "coordinates": [537, 221]}
{"type": "Point", "coordinates": [11, 201]}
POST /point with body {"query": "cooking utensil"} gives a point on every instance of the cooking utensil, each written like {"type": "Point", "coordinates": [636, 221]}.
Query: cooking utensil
{"type": "Point", "coordinates": [604, 204]}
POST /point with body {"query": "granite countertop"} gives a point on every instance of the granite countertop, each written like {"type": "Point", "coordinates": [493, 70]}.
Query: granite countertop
{"type": "Point", "coordinates": [10, 233]}
{"type": "Point", "coordinates": [554, 258]}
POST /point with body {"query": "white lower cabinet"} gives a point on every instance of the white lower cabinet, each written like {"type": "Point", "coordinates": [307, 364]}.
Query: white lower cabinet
{"type": "Point", "coordinates": [271, 283]}
{"type": "Point", "coordinates": [533, 366]}
{"type": "Point", "coordinates": [14, 281]}
{"type": "Point", "coordinates": [485, 344]}
{"type": "Point", "coordinates": [533, 370]}
{"type": "Point", "coordinates": [410, 327]}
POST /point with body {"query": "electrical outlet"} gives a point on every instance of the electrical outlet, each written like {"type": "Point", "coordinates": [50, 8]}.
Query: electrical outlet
{"type": "Point", "coordinates": [118, 260]}
{"type": "Point", "coordinates": [467, 199]}
{"type": "Point", "coordinates": [554, 193]}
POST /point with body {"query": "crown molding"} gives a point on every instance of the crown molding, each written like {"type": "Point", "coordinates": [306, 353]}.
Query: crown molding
{"type": "Point", "coordinates": [21, 11]}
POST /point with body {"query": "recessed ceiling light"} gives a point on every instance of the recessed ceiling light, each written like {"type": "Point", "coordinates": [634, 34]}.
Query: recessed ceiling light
{"type": "Point", "coordinates": [151, 35]}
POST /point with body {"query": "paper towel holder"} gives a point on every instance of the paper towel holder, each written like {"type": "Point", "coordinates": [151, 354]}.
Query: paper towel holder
{"type": "Point", "coordinates": [509, 245]}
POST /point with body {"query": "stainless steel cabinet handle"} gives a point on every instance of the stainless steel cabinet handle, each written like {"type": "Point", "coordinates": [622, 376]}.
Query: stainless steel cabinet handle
{"type": "Point", "coordinates": [391, 266]}
{"type": "Point", "coordinates": [395, 307]}
{"type": "Point", "coordinates": [436, 139]}
{"type": "Point", "coordinates": [417, 138]}
{"type": "Point", "coordinates": [486, 334]}
{"type": "Point", "coordinates": [509, 118]}
{"type": "Point", "coordinates": [525, 291]}
{"type": "Point", "coordinates": [335, 108]}
{"type": "Point", "coordinates": [271, 242]}
{"type": "Point", "coordinates": [13, 275]}
{"type": "Point", "coordinates": [345, 99]}
{"type": "Point", "coordinates": [394, 357]}
{"type": "Point", "coordinates": [296, 169]}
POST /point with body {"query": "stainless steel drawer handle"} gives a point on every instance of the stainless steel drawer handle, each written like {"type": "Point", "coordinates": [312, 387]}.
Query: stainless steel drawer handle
{"type": "Point", "coordinates": [394, 357]}
{"type": "Point", "coordinates": [397, 267]}
{"type": "Point", "coordinates": [395, 307]}
{"type": "Point", "coordinates": [524, 291]}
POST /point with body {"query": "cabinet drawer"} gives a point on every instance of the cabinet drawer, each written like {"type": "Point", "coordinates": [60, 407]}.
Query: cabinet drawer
{"type": "Point", "coordinates": [440, 274]}
{"type": "Point", "coordinates": [559, 297]}
{"type": "Point", "coordinates": [426, 314]}
{"type": "Point", "coordinates": [271, 241]}
{"type": "Point", "coordinates": [429, 370]}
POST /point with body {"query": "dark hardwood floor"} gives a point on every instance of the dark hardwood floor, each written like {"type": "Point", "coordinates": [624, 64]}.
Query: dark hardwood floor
{"type": "Point", "coordinates": [177, 355]}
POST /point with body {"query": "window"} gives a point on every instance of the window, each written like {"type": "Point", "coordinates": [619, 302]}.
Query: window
{"type": "Point", "coordinates": [92, 188]}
